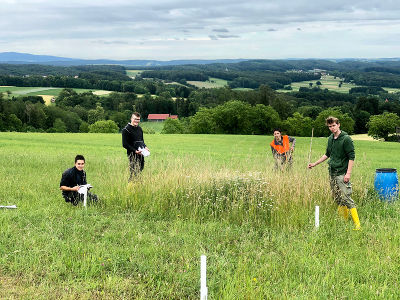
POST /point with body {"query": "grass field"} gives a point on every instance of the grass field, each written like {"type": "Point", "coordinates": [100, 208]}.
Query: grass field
{"type": "Point", "coordinates": [198, 194]}
{"type": "Point", "coordinates": [330, 83]}
{"type": "Point", "coordinates": [133, 73]}
{"type": "Point", "coordinates": [210, 83]}
{"type": "Point", "coordinates": [43, 91]}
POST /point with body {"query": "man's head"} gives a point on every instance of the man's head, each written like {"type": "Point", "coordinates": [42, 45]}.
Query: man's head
{"type": "Point", "coordinates": [135, 119]}
{"type": "Point", "coordinates": [277, 134]}
{"type": "Point", "coordinates": [333, 124]}
{"type": "Point", "coordinates": [79, 162]}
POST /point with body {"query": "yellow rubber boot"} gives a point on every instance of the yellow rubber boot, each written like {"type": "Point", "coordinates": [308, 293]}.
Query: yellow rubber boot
{"type": "Point", "coordinates": [343, 211]}
{"type": "Point", "coordinates": [354, 216]}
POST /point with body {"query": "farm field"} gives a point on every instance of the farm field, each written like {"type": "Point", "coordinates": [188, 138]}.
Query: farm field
{"type": "Point", "coordinates": [330, 83]}
{"type": "Point", "coordinates": [210, 83]}
{"type": "Point", "coordinates": [198, 194]}
{"type": "Point", "coordinates": [43, 91]}
{"type": "Point", "coordinates": [133, 73]}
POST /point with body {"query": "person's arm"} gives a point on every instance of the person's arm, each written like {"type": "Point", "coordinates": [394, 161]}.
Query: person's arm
{"type": "Point", "coordinates": [293, 141]}
{"type": "Point", "coordinates": [322, 159]}
{"type": "Point", "coordinates": [348, 173]}
{"type": "Point", "coordinates": [69, 189]}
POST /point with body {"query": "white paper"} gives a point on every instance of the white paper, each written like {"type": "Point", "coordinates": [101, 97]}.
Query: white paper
{"type": "Point", "coordinates": [144, 151]}
{"type": "Point", "coordinates": [84, 188]}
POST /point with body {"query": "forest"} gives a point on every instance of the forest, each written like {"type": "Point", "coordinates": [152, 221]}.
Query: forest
{"type": "Point", "coordinates": [216, 110]}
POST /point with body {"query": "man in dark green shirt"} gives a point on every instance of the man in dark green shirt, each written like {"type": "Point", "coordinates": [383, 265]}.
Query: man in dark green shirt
{"type": "Point", "coordinates": [340, 150]}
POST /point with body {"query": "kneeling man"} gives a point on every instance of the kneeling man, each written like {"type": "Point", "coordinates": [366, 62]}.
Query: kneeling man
{"type": "Point", "coordinates": [72, 179]}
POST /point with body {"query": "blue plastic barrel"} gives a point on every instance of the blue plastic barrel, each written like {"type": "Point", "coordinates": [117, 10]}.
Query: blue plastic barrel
{"type": "Point", "coordinates": [387, 184]}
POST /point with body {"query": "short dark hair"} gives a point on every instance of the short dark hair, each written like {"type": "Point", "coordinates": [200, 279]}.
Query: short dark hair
{"type": "Point", "coordinates": [79, 157]}
{"type": "Point", "coordinates": [135, 114]}
{"type": "Point", "coordinates": [330, 120]}
{"type": "Point", "coordinates": [277, 129]}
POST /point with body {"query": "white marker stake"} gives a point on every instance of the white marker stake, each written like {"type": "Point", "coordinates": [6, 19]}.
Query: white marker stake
{"type": "Point", "coordinates": [203, 278]}
{"type": "Point", "coordinates": [316, 216]}
{"type": "Point", "coordinates": [85, 198]}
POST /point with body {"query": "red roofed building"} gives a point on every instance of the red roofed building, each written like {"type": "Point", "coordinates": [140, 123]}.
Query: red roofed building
{"type": "Point", "coordinates": [160, 117]}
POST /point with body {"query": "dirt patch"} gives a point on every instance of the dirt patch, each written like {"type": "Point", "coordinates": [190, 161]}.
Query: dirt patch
{"type": "Point", "coordinates": [363, 137]}
{"type": "Point", "coordinates": [100, 93]}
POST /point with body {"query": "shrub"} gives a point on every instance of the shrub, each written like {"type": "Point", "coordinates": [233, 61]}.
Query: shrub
{"type": "Point", "coordinates": [108, 126]}
{"type": "Point", "coordinates": [172, 126]}
{"type": "Point", "coordinates": [380, 126]}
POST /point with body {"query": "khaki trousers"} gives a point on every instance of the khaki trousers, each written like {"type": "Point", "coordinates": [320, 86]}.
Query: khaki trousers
{"type": "Point", "coordinates": [342, 191]}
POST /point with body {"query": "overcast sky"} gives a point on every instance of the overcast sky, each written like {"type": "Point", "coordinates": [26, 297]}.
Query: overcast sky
{"type": "Point", "coordinates": [203, 29]}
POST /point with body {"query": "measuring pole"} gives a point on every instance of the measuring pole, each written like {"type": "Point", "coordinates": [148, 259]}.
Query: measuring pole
{"type": "Point", "coordinates": [316, 216]}
{"type": "Point", "coordinates": [203, 278]}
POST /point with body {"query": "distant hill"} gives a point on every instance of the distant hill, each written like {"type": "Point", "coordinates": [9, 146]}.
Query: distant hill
{"type": "Point", "coordinates": [26, 58]}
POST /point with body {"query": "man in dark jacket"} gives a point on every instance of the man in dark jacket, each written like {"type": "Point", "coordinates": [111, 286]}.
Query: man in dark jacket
{"type": "Point", "coordinates": [341, 152]}
{"type": "Point", "coordinates": [132, 140]}
{"type": "Point", "coordinates": [72, 179]}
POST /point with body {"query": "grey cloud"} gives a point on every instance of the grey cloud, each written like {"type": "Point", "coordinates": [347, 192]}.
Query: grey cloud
{"type": "Point", "coordinates": [213, 37]}
{"type": "Point", "coordinates": [110, 42]}
{"type": "Point", "coordinates": [272, 29]}
{"type": "Point", "coordinates": [221, 30]}
{"type": "Point", "coordinates": [227, 36]}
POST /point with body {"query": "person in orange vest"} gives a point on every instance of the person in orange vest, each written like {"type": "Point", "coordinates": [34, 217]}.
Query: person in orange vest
{"type": "Point", "coordinates": [281, 149]}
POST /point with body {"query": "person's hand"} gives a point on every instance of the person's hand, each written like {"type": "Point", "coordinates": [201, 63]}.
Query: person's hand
{"type": "Point", "coordinates": [311, 165]}
{"type": "Point", "coordinates": [292, 149]}
{"type": "Point", "coordinates": [138, 152]}
{"type": "Point", "coordinates": [75, 188]}
{"type": "Point", "coordinates": [346, 178]}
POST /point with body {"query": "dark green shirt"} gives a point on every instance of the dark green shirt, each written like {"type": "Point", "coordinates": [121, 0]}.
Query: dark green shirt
{"type": "Point", "coordinates": [340, 151]}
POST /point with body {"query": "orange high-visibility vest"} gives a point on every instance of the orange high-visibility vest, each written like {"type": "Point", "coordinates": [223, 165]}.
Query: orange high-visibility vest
{"type": "Point", "coordinates": [281, 149]}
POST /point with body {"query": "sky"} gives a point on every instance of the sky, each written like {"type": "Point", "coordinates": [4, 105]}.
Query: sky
{"type": "Point", "coordinates": [203, 29]}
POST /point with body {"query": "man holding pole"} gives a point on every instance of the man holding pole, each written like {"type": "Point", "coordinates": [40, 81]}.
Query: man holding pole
{"type": "Point", "coordinates": [281, 149]}
{"type": "Point", "coordinates": [341, 152]}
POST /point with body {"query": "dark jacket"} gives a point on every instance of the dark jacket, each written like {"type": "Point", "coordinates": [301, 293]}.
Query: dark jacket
{"type": "Point", "coordinates": [132, 138]}
{"type": "Point", "coordinates": [340, 151]}
{"type": "Point", "coordinates": [73, 177]}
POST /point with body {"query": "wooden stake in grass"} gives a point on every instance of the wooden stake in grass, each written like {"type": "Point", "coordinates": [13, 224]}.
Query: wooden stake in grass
{"type": "Point", "coordinates": [309, 153]}
{"type": "Point", "coordinates": [203, 278]}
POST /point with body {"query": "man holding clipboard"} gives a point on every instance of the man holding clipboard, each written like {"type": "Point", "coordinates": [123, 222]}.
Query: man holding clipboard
{"type": "Point", "coordinates": [136, 149]}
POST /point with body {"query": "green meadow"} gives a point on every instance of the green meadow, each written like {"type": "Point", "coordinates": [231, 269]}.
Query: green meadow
{"type": "Point", "coordinates": [133, 73]}
{"type": "Point", "coordinates": [331, 83]}
{"type": "Point", "coordinates": [216, 195]}
{"type": "Point", "coordinates": [210, 83]}
{"type": "Point", "coordinates": [38, 91]}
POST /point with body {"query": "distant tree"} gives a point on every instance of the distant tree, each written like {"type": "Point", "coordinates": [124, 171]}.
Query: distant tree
{"type": "Point", "coordinates": [171, 126]}
{"type": "Point", "coordinates": [203, 121]}
{"type": "Point", "coordinates": [13, 123]}
{"type": "Point", "coordinates": [95, 115]}
{"type": "Point", "coordinates": [103, 126]}
{"type": "Point", "coordinates": [263, 119]}
{"type": "Point", "coordinates": [318, 83]}
{"type": "Point", "coordinates": [298, 125]}
{"type": "Point", "coordinates": [369, 104]}
{"type": "Point", "coordinates": [84, 127]}
{"type": "Point", "coordinates": [59, 126]}
{"type": "Point", "coordinates": [310, 84]}
{"type": "Point", "coordinates": [346, 122]}
{"type": "Point", "coordinates": [380, 126]}
{"type": "Point", "coordinates": [361, 118]}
